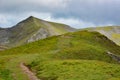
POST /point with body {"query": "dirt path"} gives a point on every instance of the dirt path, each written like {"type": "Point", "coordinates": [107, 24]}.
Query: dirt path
{"type": "Point", "coordinates": [27, 71]}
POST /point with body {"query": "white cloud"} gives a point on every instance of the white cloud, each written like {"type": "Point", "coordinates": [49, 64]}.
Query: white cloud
{"type": "Point", "coordinates": [10, 20]}
{"type": "Point", "coordinates": [7, 20]}
{"type": "Point", "coordinates": [3, 19]}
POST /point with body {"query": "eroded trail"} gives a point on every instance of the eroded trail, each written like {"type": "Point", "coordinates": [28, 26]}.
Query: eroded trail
{"type": "Point", "coordinates": [27, 71]}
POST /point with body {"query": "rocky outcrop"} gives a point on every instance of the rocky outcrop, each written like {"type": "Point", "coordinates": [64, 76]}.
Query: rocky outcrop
{"type": "Point", "coordinates": [40, 34]}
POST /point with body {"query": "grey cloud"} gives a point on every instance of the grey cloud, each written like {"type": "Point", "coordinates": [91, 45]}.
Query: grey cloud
{"type": "Point", "coordinates": [94, 11]}
{"type": "Point", "coordinates": [13, 6]}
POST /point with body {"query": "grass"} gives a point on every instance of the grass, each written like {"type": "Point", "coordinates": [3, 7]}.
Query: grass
{"type": "Point", "coordinates": [11, 66]}
{"type": "Point", "coordinates": [76, 70]}
{"type": "Point", "coordinates": [5, 74]}
{"type": "Point", "coordinates": [72, 56]}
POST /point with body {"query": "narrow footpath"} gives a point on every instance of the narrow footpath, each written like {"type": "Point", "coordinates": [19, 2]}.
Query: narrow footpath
{"type": "Point", "coordinates": [28, 72]}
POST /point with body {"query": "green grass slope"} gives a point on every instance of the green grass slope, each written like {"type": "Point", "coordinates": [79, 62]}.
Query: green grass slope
{"type": "Point", "coordinates": [79, 55]}
{"type": "Point", "coordinates": [112, 32]}
{"type": "Point", "coordinates": [76, 70]}
{"type": "Point", "coordinates": [31, 29]}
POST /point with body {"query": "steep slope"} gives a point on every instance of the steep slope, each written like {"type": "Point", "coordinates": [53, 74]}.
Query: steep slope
{"type": "Point", "coordinates": [112, 32]}
{"type": "Point", "coordinates": [72, 56]}
{"type": "Point", "coordinates": [30, 30]}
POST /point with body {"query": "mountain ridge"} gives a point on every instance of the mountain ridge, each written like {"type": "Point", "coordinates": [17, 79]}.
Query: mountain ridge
{"type": "Point", "coordinates": [112, 32]}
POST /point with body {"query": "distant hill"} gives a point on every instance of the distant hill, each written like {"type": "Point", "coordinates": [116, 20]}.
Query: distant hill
{"type": "Point", "coordinates": [31, 29]}
{"type": "Point", "coordinates": [71, 56]}
{"type": "Point", "coordinates": [112, 32]}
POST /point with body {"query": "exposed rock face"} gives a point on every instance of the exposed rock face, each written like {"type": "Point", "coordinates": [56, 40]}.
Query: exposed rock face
{"type": "Point", "coordinates": [4, 36]}
{"type": "Point", "coordinates": [40, 34]}
{"type": "Point", "coordinates": [30, 30]}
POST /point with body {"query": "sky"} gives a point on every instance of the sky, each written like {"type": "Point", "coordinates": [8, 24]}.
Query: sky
{"type": "Point", "coordinates": [76, 13]}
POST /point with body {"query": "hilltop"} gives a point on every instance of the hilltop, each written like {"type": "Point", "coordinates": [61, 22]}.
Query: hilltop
{"type": "Point", "coordinates": [31, 29]}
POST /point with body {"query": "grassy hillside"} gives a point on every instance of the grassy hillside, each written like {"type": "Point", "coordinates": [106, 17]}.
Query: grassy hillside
{"type": "Point", "coordinates": [112, 32]}
{"type": "Point", "coordinates": [31, 29]}
{"type": "Point", "coordinates": [72, 56]}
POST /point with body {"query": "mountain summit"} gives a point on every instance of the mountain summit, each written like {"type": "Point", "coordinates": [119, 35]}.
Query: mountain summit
{"type": "Point", "coordinates": [31, 29]}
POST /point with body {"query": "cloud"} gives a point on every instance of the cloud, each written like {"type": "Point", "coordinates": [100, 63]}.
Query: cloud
{"type": "Point", "coordinates": [7, 20]}
{"type": "Point", "coordinates": [50, 3]}
{"type": "Point", "coordinates": [11, 20]}
{"type": "Point", "coordinates": [96, 11]}
{"type": "Point", "coordinates": [73, 22]}
{"type": "Point", "coordinates": [73, 12]}
{"type": "Point", "coordinates": [4, 21]}
{"type": "Point", "coordinates": [21, 6]}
